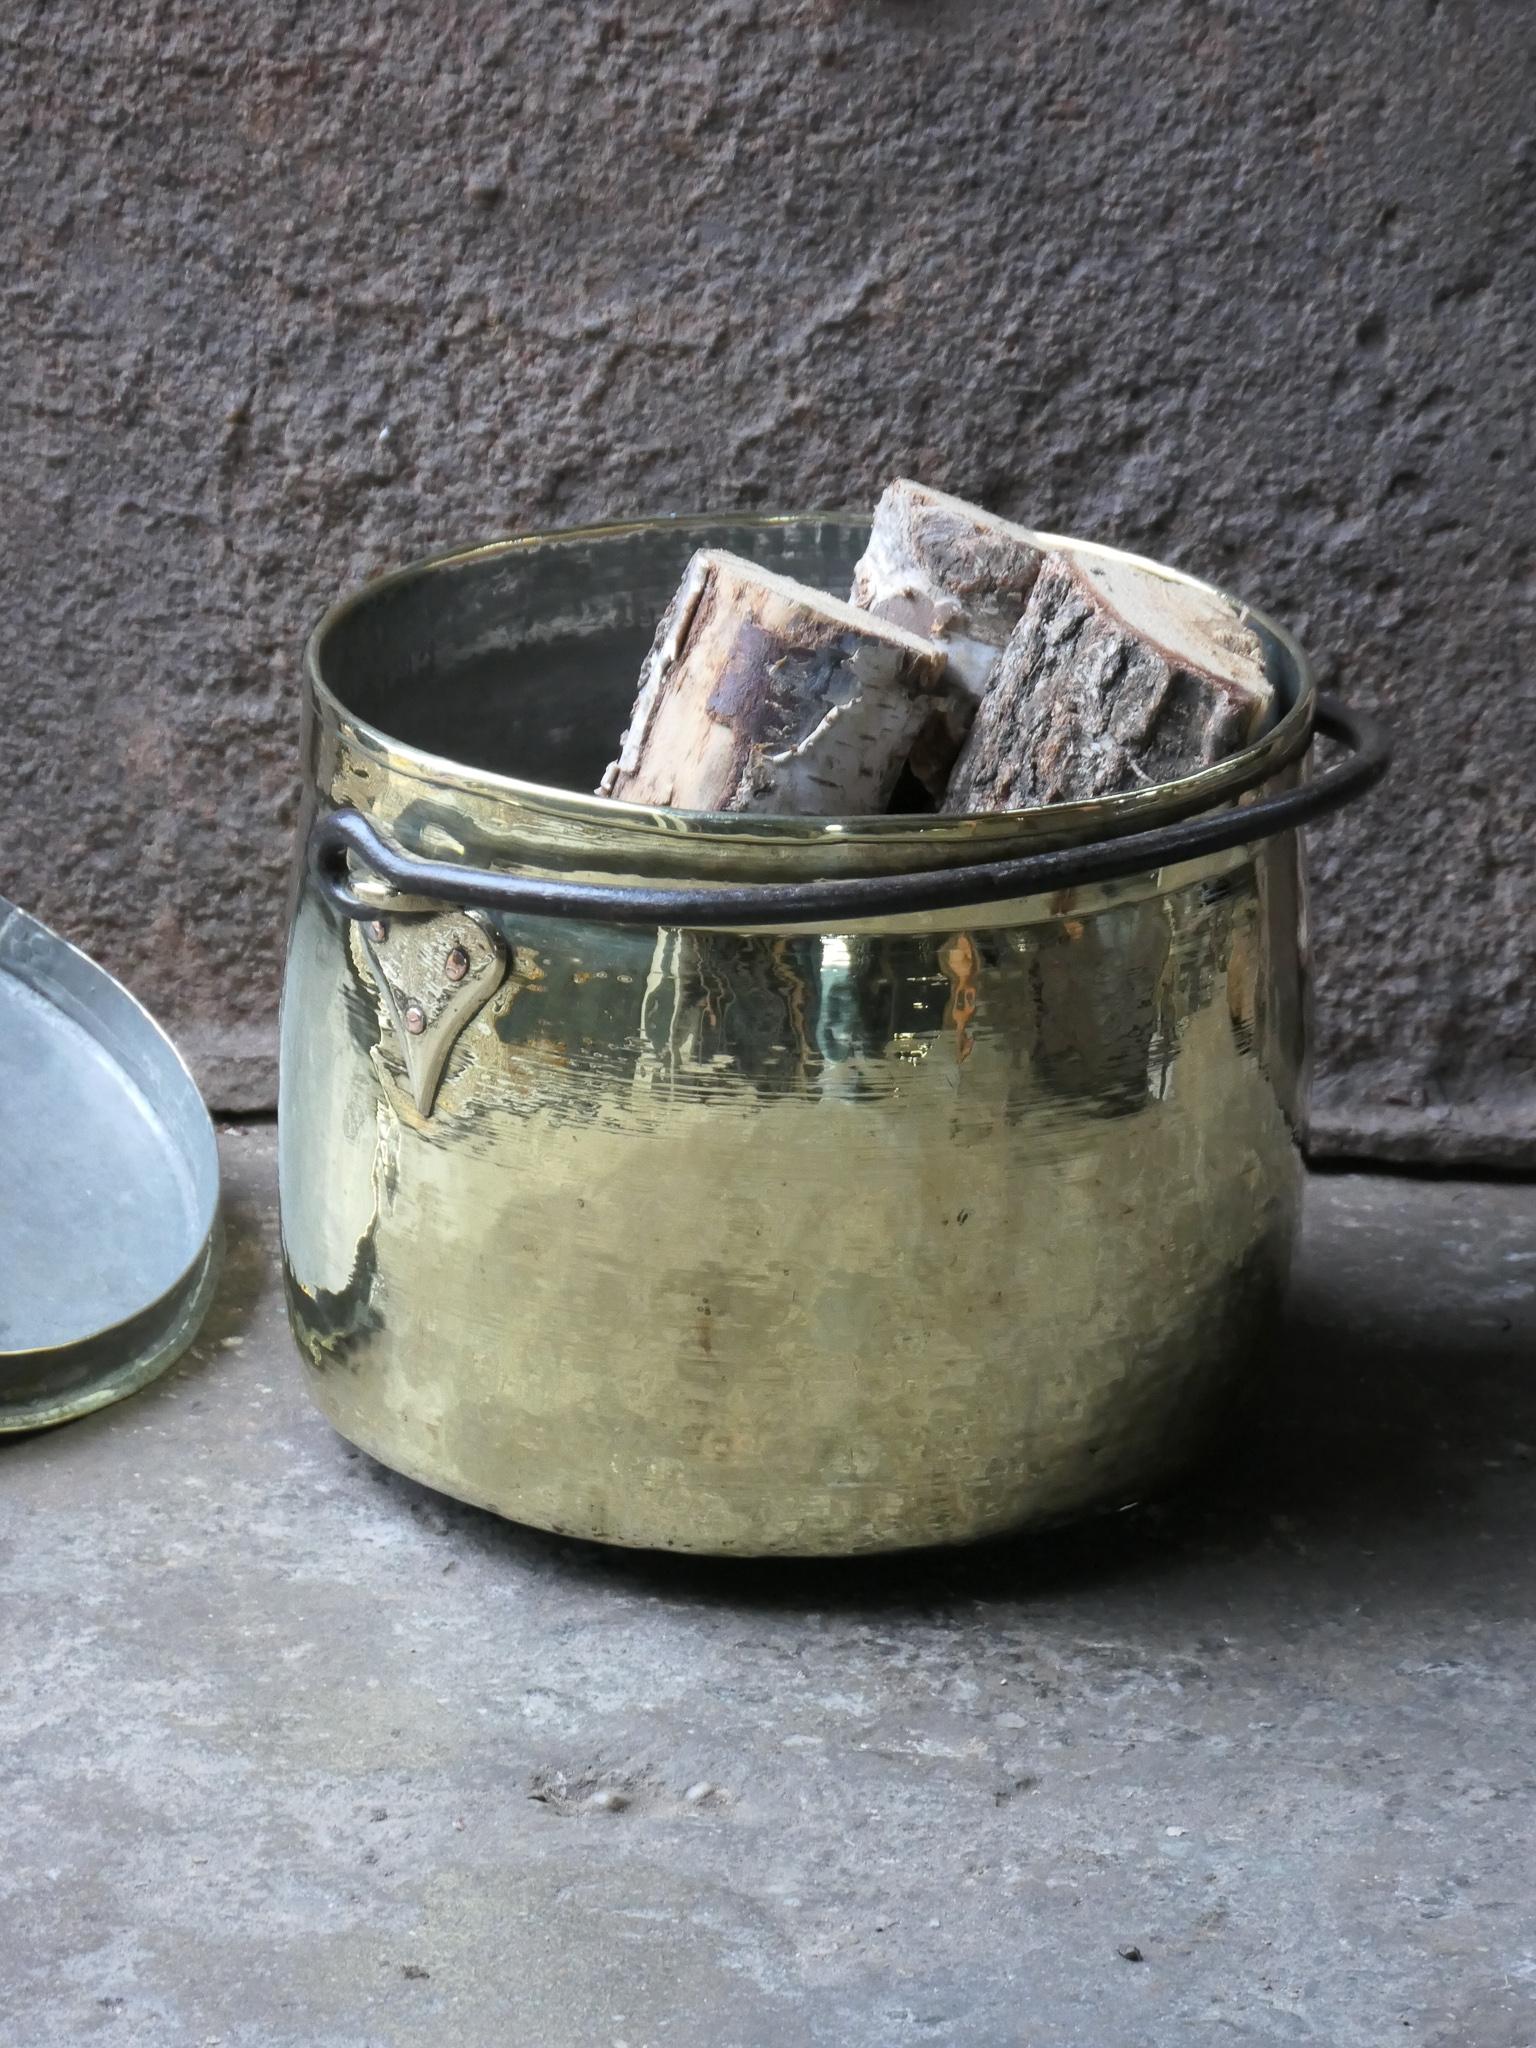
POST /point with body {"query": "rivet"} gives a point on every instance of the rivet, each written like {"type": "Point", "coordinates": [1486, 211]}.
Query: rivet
{"type": "Point", "coordinates": [378, 931]}
{"type": "Point", "coordinates": [456, 966]}
{"type": "Point", "coordinates": [415, 1019]}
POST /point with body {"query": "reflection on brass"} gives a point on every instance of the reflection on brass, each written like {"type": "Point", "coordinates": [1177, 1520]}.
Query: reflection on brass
{"type": "Point", "coordinates": [787, 1242]}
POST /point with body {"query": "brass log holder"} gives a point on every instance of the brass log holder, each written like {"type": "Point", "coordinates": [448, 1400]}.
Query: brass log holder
{"type": "Point", "coordinates": [771, 1186]}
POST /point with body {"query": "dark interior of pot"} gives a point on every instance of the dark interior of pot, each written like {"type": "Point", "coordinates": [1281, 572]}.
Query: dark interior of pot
{"type": "Point", "coordinates": [522, 659]}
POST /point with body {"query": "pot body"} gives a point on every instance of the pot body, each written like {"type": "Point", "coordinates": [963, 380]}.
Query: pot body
{"type": "Point", "coordinates": [769, 1242]}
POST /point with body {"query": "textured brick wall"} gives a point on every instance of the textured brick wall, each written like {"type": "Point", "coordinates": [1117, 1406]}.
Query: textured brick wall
{"type": "Point", "coordinates": [1248, 287]}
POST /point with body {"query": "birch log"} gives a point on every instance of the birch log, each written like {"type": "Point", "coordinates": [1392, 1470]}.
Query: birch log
{"type": "Point", "coordinates": [1114, 678]}
{"type": "Point", "coordinates": [949, 571]}
{"type": "Point", "coordinates": [763, 695]}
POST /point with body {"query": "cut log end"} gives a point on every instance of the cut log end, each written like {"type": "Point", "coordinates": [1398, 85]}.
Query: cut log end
{"type": "Point", "coordinates": [949, 571]}
{"type": "Point", "coordinates": [1114, 679]}
{"type": "Point", "coordinates": [762, 695]}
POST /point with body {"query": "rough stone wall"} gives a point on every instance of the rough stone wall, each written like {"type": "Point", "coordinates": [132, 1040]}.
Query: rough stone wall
{"type": "Point", "coordinates": [294, 290]}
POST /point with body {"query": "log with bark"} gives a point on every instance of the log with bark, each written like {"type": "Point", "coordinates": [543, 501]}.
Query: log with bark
{"type": "Point", "coordinates": [1115, 678]}
{"type": "Point", "coordinates": [762, 695]}
{"type": "Point", "coordinates": [948, 571]}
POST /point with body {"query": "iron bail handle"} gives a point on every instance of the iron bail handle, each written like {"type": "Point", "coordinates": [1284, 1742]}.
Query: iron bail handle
{"type": "Point", "coordinates": [340, 834]}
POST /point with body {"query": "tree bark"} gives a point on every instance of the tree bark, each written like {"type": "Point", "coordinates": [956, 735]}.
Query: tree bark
{"type": "Point", "coordinates": [948, 571]}
{"type": "Point", "coordinates": [763, 695]}
{"type": "Point", "coordinates": [1116, 677]}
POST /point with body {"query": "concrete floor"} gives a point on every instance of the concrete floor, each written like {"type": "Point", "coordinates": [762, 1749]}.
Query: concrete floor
{"type": "Point", "coordinates": [299, 1753]}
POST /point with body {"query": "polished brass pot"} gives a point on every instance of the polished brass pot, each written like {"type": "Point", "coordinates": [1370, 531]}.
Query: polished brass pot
{"type": "Point", "coordinates": [767, 1185]}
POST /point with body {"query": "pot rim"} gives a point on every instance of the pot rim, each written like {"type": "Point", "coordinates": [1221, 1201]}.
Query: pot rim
{"type": "Point", "coordinates": [923, 837]}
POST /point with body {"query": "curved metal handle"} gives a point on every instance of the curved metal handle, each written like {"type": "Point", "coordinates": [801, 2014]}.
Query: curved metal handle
{"type": "Point", "coordinates": [338, 834]}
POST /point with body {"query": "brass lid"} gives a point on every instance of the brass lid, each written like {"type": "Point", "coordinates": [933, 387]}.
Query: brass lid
{"type": "Point", "coordinates": [109, 1186]}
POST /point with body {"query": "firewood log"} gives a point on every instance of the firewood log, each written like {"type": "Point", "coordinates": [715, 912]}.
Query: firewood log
{"type": "Point", "coordinates": [1116, 677]}
{"type": "Point", "coordinates": [762, 695]}
{"type": "Point", "coordinates": [948, 571]}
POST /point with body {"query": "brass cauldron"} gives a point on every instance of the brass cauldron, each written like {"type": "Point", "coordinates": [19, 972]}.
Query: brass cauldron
{"type": "Point", "coordinates": [789, 1185]}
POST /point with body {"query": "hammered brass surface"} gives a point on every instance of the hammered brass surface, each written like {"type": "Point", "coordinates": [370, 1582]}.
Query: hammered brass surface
{"type": "Point", "coordinates": [796, 1242]}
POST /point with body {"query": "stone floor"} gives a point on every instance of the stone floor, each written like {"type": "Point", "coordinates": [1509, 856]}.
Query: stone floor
{"type": "Point", "coordinates": [299, 1755]}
